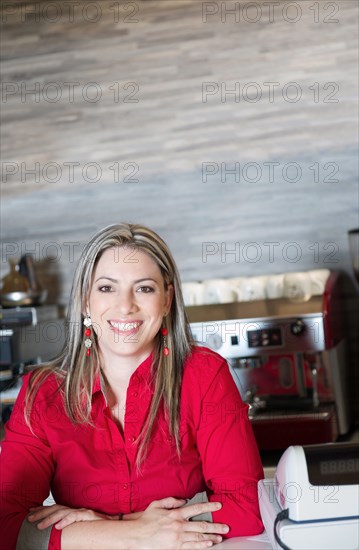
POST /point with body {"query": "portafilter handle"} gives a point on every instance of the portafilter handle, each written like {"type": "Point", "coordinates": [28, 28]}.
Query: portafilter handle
{"type": "Point", "coordinates": [312, 362]}
{"type": "Point", "coordinates": [254, 401]}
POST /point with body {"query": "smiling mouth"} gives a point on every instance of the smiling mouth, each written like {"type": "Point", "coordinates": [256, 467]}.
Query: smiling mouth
{"type": "Point", "coordinates": [125, 327]}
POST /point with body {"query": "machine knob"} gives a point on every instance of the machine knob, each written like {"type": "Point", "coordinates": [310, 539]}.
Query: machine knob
{"type": "Point", "coordinates": [298, 327]}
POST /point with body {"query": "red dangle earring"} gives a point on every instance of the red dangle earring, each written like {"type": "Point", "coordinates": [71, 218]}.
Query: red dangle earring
{"type": "Point", "coordinates": [88, 341]}
{"type": "Point", "coordinates": [164, 333]}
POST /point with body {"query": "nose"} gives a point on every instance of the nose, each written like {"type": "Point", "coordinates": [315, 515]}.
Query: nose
{"type": "Point", "coordinates": [126, 303]}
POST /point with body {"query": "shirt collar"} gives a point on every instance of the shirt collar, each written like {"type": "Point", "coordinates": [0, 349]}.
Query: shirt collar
{"type": "Point", "coordinates": [143, 370]}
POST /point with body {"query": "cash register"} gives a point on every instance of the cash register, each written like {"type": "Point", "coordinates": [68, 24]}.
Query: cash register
{"type": "Point", "coordinates": [313, 500]}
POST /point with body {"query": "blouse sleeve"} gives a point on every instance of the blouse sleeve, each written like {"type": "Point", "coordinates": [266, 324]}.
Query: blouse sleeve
{"type": "Point", "coordinates": [26, 469]}
{"type": "Point", "coordinates": [230, 457]}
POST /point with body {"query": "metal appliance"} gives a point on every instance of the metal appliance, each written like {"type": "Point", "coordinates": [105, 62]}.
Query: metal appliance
{"type": "Point", "coordinates": [288, 360]}
{"type": "Point", "coordinates": [28, 335]}
{"type": "Point", "coordinates": [313, 500]}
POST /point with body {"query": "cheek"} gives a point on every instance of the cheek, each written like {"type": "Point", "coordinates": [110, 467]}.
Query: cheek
{"type": "Point", "coordinates": [92, 306]}
{"type": "Point", "coordinates": [160, 307]}
{"type": "Point", "coordinates": [155, 313]}
{"type": "Point", "coordinates": [96, 307]}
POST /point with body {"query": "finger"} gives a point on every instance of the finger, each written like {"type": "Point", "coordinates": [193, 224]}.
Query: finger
{"type": "Point", "coordinates": [168, 503]}
{"type": "Point", "coordinates": [197, 545]}
{"type": "Point", "coordinates": [202, 537]}
{"type": "Point", "coordinates": [206, 527]}
{"type": "Point", "coordinates": [187, 512]}
{"type": "Point", "coordinates": [78, 515]}
{"type": "Point", "coordinates": [45, 511]}
{"type": "Point", "coordinates": [68, 520]}
{"type": "Point", "coordinates": [64, 522]}
{"type": "Point", "coordinates": [53, 518]}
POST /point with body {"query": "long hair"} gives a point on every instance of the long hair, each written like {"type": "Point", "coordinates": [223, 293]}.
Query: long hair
{"type": "Point", "coordinates": [78, 371]}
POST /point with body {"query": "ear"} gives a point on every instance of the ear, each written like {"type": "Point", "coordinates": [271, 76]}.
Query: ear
{"type": "Point", "coordinates": [86, 309]}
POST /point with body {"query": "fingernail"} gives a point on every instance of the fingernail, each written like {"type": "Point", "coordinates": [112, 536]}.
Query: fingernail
{"type": "Point", "coordinates": [225, 528]}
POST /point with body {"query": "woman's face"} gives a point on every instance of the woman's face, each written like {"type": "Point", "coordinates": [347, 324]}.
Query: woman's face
{"type": "Point", "coordinates": [127, 303]}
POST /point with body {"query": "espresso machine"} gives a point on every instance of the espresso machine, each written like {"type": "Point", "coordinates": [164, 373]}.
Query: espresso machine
{"type": "Point", "coordinates": [28, 336]}
{"type": "Point", "coordinates": [30, 331]}
{"type": "Point", "coordinates": [288, 360]}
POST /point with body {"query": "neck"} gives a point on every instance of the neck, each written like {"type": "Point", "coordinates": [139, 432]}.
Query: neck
{"type": "Point", "coordinates": [119, 369]}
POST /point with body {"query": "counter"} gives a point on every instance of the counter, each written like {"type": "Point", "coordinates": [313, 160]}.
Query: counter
{"type": "Point", "coordinates": [258, 542]}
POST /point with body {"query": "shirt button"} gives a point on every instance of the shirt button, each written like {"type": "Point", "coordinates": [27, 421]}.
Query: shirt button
{"type": "Point", "coordinates": [132, 439]}
{"type": "Point", "coordinates": [125, 486]}
{"type": "Point", "coordinates": [135, 394]}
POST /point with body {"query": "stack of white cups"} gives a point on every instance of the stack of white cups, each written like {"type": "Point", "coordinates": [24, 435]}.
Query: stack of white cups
{"type": "Point", "coordinates": [296, 286]}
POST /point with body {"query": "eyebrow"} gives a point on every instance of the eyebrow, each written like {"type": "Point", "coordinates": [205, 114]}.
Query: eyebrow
{"type": "Point", "coordinates": [135, 282]}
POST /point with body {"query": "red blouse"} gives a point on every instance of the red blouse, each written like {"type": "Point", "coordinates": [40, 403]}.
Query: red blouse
{"type": "Point", "coordinates": [94, 467]}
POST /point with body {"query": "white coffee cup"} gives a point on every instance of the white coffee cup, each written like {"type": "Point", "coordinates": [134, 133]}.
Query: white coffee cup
{"type": "Point", "coordinates": [318, 279]}
{"type": "Point", "coordinates": [253, 288]}
{"type": "Point", "coordinates": [218, 291]}
{"type": "Point", "coordinates": [275, 286]}
{"type": "Point", "coordinates": [192, 293]}
{"type": "Point", "coordinates": [297, 286]}
{"type": "Point", "coordinates": [235, 284]}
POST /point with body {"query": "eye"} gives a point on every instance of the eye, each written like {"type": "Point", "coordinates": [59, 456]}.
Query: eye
{"type": "Point", "coordinates": [145, 289]}
{"type": "Point", "coordinates": [105, 288]}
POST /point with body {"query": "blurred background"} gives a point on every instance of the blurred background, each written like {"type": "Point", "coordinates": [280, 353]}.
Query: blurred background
{"type": "Point", "coordinates": [230, 128]}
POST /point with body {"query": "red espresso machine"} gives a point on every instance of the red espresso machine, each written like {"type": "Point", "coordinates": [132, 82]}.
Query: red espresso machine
{"type": "Point", "coordinates": [288, 361]}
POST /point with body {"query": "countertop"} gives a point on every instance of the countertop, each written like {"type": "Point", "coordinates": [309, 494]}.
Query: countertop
{"type": "Point", "coordinates": [258, 542]}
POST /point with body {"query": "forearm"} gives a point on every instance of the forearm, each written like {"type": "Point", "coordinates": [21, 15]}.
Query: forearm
{"type": "Point", "coordinates": [134, 515]}
{"type": "Point", "coordinates": [97, 535]}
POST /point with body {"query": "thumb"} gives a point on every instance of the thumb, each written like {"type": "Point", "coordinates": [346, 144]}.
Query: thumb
{"type": "Point", "coordinates": [168, 503]}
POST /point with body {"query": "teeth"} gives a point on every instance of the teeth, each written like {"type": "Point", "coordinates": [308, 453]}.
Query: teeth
{"type": "Point", "coordinates": [124, 326]}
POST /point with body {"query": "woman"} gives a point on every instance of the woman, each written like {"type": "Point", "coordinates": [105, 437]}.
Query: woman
{"type": "Point", "coordinates": [131, 421]}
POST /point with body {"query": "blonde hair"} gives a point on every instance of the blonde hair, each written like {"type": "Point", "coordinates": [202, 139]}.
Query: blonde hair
{"type": "Point", "coordinates": [79, 372]}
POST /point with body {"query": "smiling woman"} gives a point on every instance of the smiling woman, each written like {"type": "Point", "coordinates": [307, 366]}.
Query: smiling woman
{"type": "Point", "coordinates": [131, 421]}
{"type": "Point", "coordinates": [127, 315]}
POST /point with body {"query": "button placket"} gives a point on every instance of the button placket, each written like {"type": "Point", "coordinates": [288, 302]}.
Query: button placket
{"type": "Point", "coordinates": [131, 415]}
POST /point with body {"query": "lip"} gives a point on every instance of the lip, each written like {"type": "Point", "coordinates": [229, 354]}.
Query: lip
{"type": "Point", "coordinates": [121, 330]}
